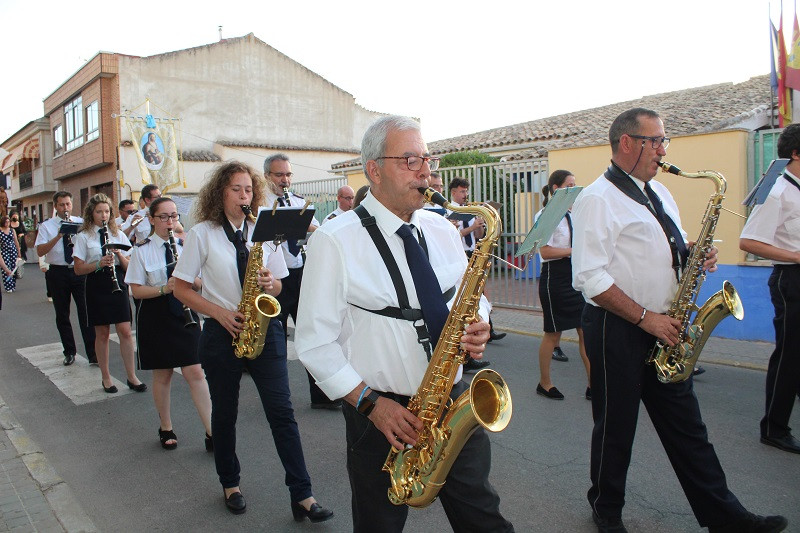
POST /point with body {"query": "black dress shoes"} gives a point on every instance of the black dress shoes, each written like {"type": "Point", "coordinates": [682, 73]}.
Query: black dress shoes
{"type": "Point", "coordinates": [235, 503]}
{"type": "Point", "coordinates": [141, 387]}
{"type": "Point", "coordinates": [111, 390]}
{"type": "Point", "coordinates": [316, 513]}
{"type": "Point", "coordinates": [609, 525]}
{"type": "Point", "coordinates": [696, 371]}
{"type": "Point", "coordinates": [494, 336]}
{"type": "Point", "coordinates": [753, 523]}
{"type": "Point", "coordinates": [553, 393]}
{"type": "Point", "coordinates": [472, 365]}
{"type": "Point", "coordinates": [786, 443]}
{"type": "Point", "coordinates": [69, 358]}
{"type": "Point", "coordinates": [558, 355]}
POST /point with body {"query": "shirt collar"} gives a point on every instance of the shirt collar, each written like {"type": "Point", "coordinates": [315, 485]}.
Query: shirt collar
{"type": "Point", "coordinates": [154, 238]}
{"type": "Point", "coordinates": [385, 219]}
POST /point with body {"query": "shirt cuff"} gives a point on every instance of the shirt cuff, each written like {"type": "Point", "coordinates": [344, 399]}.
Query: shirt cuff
{"type": "Point", "coordinates": [597, 284]}
{"type": "Point", "coordinates": [341, 383]}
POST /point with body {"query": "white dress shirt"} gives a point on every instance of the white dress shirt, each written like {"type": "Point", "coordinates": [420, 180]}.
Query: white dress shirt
{"type": "Point", "coordinates": [342, 345]}
{"type": "Point", "coordinates": [292, 261]}
{"type": "Point", "coordinates": [333, 215]}
{"type": "Point", "coordinates": [618, 241]}
{"type": "Point", "coordinates": [207, 248]}
{"type": "Point", "coordinates": [560, 236]}
{"type": "Point", "coordinates": [87, 245]}
{"type": "Point", "coordinates": [148, 264]}
{"type": "Point", "coordinates": [777, 220]}
{"type": "Point", "coordinates": [142, 230]}
{"type": "Point", "coordinates": [49, 229]}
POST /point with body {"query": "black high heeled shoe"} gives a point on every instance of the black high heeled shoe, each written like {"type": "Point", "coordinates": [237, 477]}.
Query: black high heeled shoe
{"type": "Point", "coordinates": [316, 513]}
{"type": "Point", "coordinates": [209, 443]}
{"type": "Point", "coordinates": [111, 390]}
{"type": "Point", "coordinates": [141, 387]}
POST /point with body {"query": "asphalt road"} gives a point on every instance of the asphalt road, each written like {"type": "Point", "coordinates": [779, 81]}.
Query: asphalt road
{"type": "Point", "coordinates": [108, 452]}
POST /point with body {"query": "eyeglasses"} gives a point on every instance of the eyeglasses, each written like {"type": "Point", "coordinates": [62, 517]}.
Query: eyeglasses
{"type": "Point", "coordinates": [657, 141]}
{"type": "Point", "coordinates": [415, 162]}
{"type": "Point", "coordinates": [347, 197]}
{"type": "Point", "coordinates": [282, 174]}
{"type": "Point", "coordinates": [165, 217]}
{"type": "Point", "coordinates": [129, 211]}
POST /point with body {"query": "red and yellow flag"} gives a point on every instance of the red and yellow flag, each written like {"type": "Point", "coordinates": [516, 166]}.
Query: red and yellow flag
{"type": "Point", "coordinates": [784, 92]}
{"type": "Point", "coordinates": [793, 59]}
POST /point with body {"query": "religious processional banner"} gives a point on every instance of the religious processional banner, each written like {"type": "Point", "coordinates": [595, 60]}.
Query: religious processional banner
{"type": "Point", "coordinates": [156, 148]}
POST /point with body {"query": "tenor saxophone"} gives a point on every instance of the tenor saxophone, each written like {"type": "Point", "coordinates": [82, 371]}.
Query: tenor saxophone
{"type": "Point", "coordinates": [256, 306]}
{"type": "Point", "coordinates": [676, 363]}
{"type": "Point", "coordinates": [418, 472]}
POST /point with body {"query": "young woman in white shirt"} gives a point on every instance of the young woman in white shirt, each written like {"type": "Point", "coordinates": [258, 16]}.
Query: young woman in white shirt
{"type": "Point", "coordinates": [104, 306]}
{"type": "Point", "coordinates": [166, 339]}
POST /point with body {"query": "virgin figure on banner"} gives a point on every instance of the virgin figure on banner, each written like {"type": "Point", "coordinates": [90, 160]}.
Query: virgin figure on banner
{"type": "Point", "coordinates": [152, 150]}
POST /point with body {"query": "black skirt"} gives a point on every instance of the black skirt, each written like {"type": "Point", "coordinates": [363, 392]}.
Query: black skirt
{"type": "Point", "coordinates": [561, 304]}
{"type": "Point", "coordinates": [104, 307]}
{"type": "Point", "coordinates": [162, 340]}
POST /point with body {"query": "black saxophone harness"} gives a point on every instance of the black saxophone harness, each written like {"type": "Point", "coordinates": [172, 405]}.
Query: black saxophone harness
{"type": "Point", "coordinates": [404, 311]}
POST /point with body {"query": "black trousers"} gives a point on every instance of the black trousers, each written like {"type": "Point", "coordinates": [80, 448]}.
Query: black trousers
{"type": "Point", "coordinates": [468, 499]}
{"type": "Point", "coordinates": [783, 373]}
{"type": "Point", "coordinates": [63, 284]}
{"type": "Point", "coordinates": [289, 297]}
{"type": "Point", "coordinates": [620, 380]}
{"type": "Point", "coordinates": [271, 377]}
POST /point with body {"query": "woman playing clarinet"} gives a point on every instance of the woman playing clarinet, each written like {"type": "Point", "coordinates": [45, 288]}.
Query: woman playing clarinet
{"type": "Point", "coordinates": [166, 337]}
{"type": "Point", "coordinates": [106, 293]}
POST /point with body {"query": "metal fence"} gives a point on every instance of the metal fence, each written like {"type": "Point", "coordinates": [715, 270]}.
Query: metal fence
{"type": "Point", "coordinates": [321, 193]}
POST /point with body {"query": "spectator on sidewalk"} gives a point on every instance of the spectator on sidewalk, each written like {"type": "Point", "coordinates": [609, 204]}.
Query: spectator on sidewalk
{"type": "Point", "coordinates": [561, 304]}
{"type": "Point", "coordinates": [19, 227]}
{"type": "Point", "coordinates": [773, 231]}
{"type": "Point", "coordinates": [9, 248]}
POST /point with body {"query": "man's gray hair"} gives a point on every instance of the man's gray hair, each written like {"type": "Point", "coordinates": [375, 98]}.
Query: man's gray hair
{"type": "Point", "coordinates": [627, 123]}
{"type": "Point", "coordinates": [373, 145]}
{"type": "Point", "coordinates": [277, 157]}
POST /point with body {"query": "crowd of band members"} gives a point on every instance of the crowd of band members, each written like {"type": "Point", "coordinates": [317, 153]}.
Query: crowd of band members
{"type": "Point", "coordinates": [616, 218]}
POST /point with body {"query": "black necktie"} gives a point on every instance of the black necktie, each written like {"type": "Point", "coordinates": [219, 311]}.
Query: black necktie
{"type": "Point", "coordinates": [241, 254]}
{"type": "Point", "coordinates": [468, 236]}
{"type": "Point", "coordinates": [294, 248]}
{"type": "Point", "coordinates": [434, 310]}
{"type": "Point", "coordinates": [67, 242]}
{"type": "Point", "coordinates": [175, 306]}
{"type": "Point", "coordinates": [569, 224]}
{"type": "Point", "coordinates": [677, 245]}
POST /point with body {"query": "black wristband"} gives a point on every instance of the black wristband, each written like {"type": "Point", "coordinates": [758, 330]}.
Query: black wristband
{"type": "Point", "coordinates": [368, 403]}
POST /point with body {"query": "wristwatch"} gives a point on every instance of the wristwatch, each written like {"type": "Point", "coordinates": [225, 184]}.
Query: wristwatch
{"type": "Point", "coordinates": [368, 403]}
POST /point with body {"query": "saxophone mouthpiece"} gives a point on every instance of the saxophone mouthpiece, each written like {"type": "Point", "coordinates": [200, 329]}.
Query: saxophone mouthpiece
{"type": "Point", "coordinates": [433, 196]}
{"type": "Point", "coordinates": [668, 167]}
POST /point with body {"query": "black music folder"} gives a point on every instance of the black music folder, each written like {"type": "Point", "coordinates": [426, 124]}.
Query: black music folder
{"type": "Point", "coordinates": [278, 225]}
{"type": "Point", "coordinates": [69, 228]}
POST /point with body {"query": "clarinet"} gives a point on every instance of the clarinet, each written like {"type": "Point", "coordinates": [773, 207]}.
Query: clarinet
{"type": "Point", "coordinates": [113, 273]}
{"type": "Point", "coordinates": [189, 321]}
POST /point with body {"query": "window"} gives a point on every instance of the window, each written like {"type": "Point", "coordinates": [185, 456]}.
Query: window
{"type": "Point", "coordinates": [58, 140]}
{"type": "Point", "coordinates": [92, 121]}
{"type": "Point", "coordinates": [73, 118]}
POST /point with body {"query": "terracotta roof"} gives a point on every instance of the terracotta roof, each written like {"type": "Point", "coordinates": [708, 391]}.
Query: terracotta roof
{"type": "Point", "coordinates": [247, 144]}
{"type": "Point", "coordinates": [688, 111]}
{"type": "Point", "coordinates": [199, 155]}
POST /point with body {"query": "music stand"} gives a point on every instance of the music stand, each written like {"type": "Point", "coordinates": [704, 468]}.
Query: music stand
{"type": "Point", "coordinates": [281, 224]}
{"type": "Point", "coordinates": [546, 224]}
{"type": "Point", "coordinates": [760, 192]}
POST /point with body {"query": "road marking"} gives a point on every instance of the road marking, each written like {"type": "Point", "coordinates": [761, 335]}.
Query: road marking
{"type": "Point", "coordinates": [78, 382]}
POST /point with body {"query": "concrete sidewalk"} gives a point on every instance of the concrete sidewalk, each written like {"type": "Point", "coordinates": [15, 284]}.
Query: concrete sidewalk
{"type": "Point", "coordinates": [744, 354]}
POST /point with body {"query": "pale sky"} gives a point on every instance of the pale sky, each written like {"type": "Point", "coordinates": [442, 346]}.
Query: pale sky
{"type": "Point", "coordinates": [461, 66]}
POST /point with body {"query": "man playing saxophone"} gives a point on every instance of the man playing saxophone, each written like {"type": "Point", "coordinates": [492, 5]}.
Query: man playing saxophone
{"type": "Point", "coordinates": [621, 220]}
{"type": "Point", "coordinates": [361, 347]}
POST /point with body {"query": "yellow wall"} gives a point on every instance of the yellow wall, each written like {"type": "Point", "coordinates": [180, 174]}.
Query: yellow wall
{"type": "Point", "coordinates": [356, 178]}
{"type": "Point", "coordinates": [724, 152]}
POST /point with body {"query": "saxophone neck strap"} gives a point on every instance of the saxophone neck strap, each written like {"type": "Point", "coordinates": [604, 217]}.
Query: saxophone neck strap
{"type": "Point", "coordinates": [622, 181]}
{"type": "Point", "coordinates": [404, 311]}
{"type": "Point", "coordinates": [790, 180]}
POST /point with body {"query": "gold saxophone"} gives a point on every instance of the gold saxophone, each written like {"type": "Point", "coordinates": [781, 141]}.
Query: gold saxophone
{"type": "Point", "coordinates": [256, 306]}
{"type": "Point", "coordinates": [676, 363]}
{"type": "Point", "coordinates": [418, 472]}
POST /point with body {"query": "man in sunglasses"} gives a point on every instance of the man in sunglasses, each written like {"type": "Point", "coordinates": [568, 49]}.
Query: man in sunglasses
{"type": "Point", "coordinates": [126, 208]}
{"type": "Point", "coordinates": [278, 171]}
{"type": "Point", "coordinates": [627, 256]}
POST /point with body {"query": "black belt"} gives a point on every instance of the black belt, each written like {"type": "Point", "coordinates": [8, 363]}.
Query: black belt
{"type": "Point", "coordinates": [399, 398]}
{"type": "Point", "coordinates": [788, 267]}
{"type": "Point", "coordinates": [70, 267]}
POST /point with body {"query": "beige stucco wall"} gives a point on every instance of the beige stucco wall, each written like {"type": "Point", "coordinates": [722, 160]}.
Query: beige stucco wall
{"type": "Point", "coordinates": [724, 152]}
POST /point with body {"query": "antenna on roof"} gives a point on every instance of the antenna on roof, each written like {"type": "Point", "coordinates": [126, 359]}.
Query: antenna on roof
{"type": "Point", "coordinates": [220, 33]}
